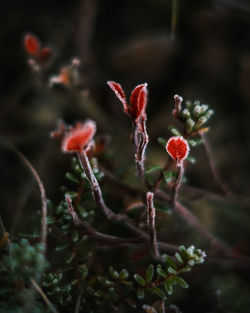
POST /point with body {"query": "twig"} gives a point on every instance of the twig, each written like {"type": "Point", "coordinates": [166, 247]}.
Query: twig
{"type": "Point", "coordinates": [212, 166]}
{"type": "Point", "coordinates": [177, 184]}
{"type": "Point", "coordinates": [97, 194]}
{"type": "Point", "coordinates": [141, 145]}
{"type": "Point", "coordinates": [42, 193]}
{"type": "Point", "coordinates": [151, 224]}
{"type": "Point", "coordinates": [43, 295]}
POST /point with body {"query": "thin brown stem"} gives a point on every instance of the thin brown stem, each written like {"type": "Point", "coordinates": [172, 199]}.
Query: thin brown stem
{"type": "Point", "coordinates": [217, 178]}
{"type": "Point", "coordinates": [151, 224]}
{"type": "Point", "coordinates": [43, 295]}
{"type": "Point", "coordinates": [141, 145]}
{"type": "Point", "coordinates": [97, 194]}
{"type": "Point", "coordinates": [177, 184]}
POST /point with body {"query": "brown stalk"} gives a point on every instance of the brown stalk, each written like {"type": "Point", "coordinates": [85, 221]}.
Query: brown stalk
{"type": "Point", "coordinates": [151, 224]}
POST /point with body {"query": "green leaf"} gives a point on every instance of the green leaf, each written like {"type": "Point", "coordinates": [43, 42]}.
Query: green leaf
{"type": "Point", "coordinates": [180, 281]}
{"type": "Point", "coordinates": [82, 211]}
{"type": "Point", "coordinates": [160, 293]}
{"type": "Point", "coordinates": [149, 273]}
{"type": "Point", "coordinates": [191, 159]}
{"type": "Point", "coordinates": [113, 273]}
{"type": "Point", "coordinates": [83, 269]}
{"type": "Point", "coordinates": [174, 131]}
{"type": "Point", "coordinates": [72, 178]}
{"type": "Point", "coordinates": [62, 246]}
{"type": "Point", "coordinates": [140, 293]}
{"type": "Point", "coordinates": [153, 169]}
{"type": "Point", "coordinates": [70, 258]}
{"type": "Point", "coordinates": [168, 287]}
{"type": "Point", "coordinates": [179, 258]}
{"type": "Point", "coordinates": [162, 141]}
{"type": "Point", "coordinates": [169, 176]}
{"type": "Point", "coordinates": [170, 262]}
{"type": "Point", "coordinates": [139, 279]}
{"type": "Point", "coordinates": [172, 271]}
{"type": "Point", "coordinates": [72, 194]}
{"type": "Point", "coordinates": [75, 235]}
{"type": "Point", "coordinates": [160, 271]}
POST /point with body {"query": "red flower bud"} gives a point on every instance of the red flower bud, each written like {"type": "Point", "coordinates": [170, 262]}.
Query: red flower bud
{"type": "Point", "coordinates": [138, 100]}
{"type": "Point", "coordinates": [32, 45]}
{"type": "Point", "coordinates": [79, 137]}
{"type": "Point", "coordinates": [178, 148]}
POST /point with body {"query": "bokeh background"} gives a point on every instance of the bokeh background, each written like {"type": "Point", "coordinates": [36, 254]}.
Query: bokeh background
{"type": "Point", "coordinates": [207, 59]}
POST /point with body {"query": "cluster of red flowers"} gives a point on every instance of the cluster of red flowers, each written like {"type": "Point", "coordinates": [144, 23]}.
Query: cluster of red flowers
{"type": "Point", "coordinates": [33, 48]}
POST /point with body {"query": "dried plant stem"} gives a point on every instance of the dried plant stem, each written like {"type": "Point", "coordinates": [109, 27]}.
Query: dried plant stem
{"type": "Point", "coordinates": [43, 295]}
{"type": "Point", "coordinates": [212, 166]}
{"type": "Point", "coordinates": [177, 184]}
{"type": "Point", "coordinates": [151, 224]}
{"type": "Point", "coordinates": [97, 194]}
{"type": "Point", "coordinates": [141, 144]}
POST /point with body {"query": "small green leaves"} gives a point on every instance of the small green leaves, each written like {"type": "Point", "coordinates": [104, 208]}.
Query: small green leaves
{"type": "Point", "coordinates": [152, 169]}
{"type": "Point", "coordinates": [149, 273]}
{"type": "Point", "coordinates": [139, 279]}
{"type": "Point", "coordinates": [169, 176]}
{"type": "Point", "coordinates": [168, 287]}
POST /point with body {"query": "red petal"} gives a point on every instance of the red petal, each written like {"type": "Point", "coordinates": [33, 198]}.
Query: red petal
{"type": "Point", "coordinates": [32, 45]}
{"type": "Point", "coordinates": [138, 101]}
{"type": "Point", "coordinates": [177, 147]}
{"type": "Point", "coordinates": [119, 93]}
{"type": "Point", "coordinates": [77, 138]}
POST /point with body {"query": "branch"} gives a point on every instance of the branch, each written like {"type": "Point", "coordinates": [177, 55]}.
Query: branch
{"type": "Point", "coordinates": [141, 145]}
{"type": "Point", "coordinates": [97, 194]}
{"type": "Point", "coordinates": [177, 185]}
{"type": "Point", "coordinates": [151, 224]}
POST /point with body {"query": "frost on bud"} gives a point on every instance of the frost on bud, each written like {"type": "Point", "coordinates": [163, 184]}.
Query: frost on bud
{"type": "Point", "coordinates": [77, 138]}
{"type": "Point", "coordinates": [197, 111]}
{"type": "Point", "coordinates": [32, 45]}
{"type": "Point", "coordinates": [186, 113]}
{"type": "Point", "coordinates": [178, 149]}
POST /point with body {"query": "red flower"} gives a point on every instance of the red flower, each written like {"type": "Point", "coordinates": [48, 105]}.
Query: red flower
{"type": "Point", "coordinates": [77, 138]}
{"type": "Point", "coordinates": [178, 148]}
{"type": "Point", "coordinates": [138, 100]}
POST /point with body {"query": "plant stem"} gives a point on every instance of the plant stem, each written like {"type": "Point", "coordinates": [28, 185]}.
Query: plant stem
{"type": "Point", "coordinates": [177, 184]}
{"type": "Point", "coordinates": [43, 295]}
{"type": "Point", "coordinates": [97, 194]}
{"type": "Point", "coordinates": [151, 224]}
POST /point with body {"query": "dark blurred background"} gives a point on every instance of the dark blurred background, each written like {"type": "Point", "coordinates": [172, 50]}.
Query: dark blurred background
{"type": "Point", "coordinates": [207, 59]}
